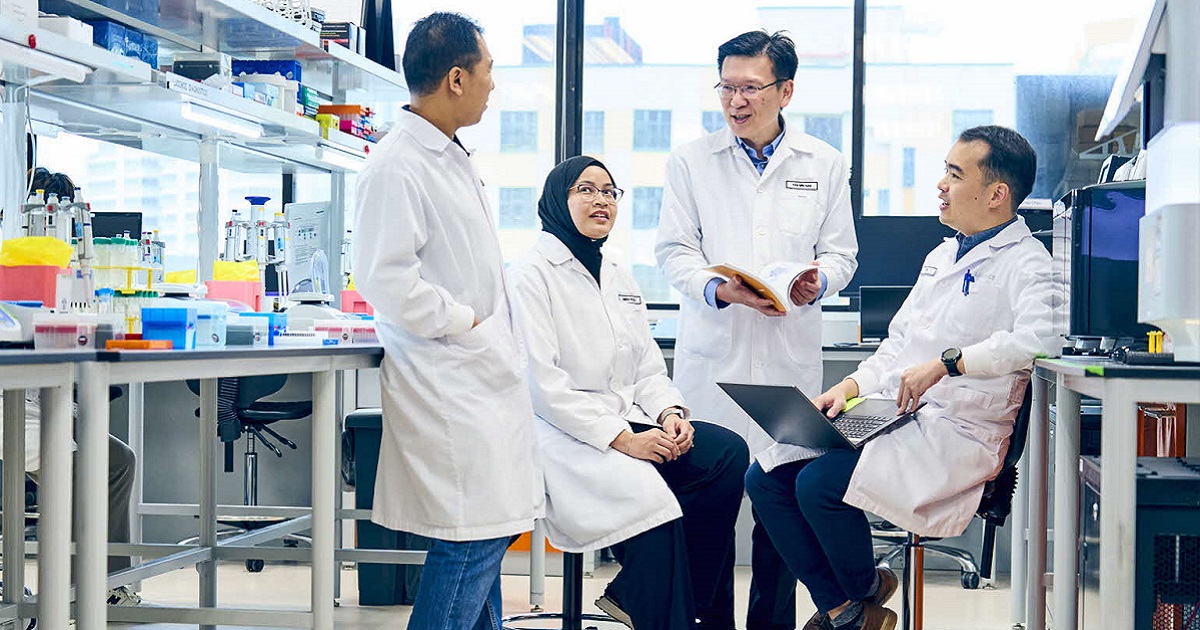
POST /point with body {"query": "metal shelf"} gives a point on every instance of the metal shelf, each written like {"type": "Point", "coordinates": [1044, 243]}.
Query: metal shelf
{"type": "Point", "coordinates": [122, 101]}
{"type": "Point", "coordinates": [245, 30]}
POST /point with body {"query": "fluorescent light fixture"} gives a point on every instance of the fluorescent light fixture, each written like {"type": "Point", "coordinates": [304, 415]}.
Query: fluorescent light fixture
{"type": "Point", "coordinates": [340, 159]}
{"type": "Point", "coordinates": [43, 62]}
{"type": "Point", "coordinates": [232, 124]}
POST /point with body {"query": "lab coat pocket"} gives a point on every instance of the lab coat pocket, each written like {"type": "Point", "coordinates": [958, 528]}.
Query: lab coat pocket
{"type": "Point", "coordinates": [707, 333]}
{"type": "Point", "coordinates": [797, 212]}
{"type": "Point", "coordinates": [488, 352]}
{"type": "Point", "coordinates": [973, 313]}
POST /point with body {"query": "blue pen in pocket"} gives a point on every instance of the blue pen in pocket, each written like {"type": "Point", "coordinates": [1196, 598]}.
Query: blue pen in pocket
{"type": "Point", "coordinates": [967, 280]}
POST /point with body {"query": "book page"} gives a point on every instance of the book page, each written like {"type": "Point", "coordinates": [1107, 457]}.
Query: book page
{"type": "Point", "coordinates": [774, 282]}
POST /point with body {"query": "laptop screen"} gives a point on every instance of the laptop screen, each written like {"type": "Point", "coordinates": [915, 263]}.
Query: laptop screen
{"type": "Point", "coordinates": [876, 308]}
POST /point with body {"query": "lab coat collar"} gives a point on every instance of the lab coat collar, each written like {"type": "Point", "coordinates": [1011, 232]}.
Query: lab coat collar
{"type": "Point", "coordinates": [425, 133]}
{"type": "Point", "coordinates": [793, 139]}
{"type": "Point", "coordinates": [1014, 233]}
{"type": "Point", "coordinates": [557, 254]}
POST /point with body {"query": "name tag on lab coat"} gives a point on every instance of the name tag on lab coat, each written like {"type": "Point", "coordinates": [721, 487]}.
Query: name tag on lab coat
{"type": "Point", "coordinates": [630, 298]}
{"type": "Point", "coordinates": [928, 270]}
{"type": "Point", "coordinates": [792, 184]}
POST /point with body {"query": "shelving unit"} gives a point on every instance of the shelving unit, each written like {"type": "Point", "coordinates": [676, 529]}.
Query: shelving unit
{"type": "Point", "coordinates": [88, 91]}
{"type": "Point", "coordinates": [59, 84]}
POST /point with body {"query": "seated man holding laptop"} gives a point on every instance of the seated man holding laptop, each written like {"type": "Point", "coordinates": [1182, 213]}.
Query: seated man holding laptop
{"type": "Point", "coordinates": [962, 344]}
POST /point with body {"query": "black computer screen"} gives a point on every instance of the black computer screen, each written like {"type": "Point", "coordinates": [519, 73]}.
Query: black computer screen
{"type": "Point", "coordinates": [1104, 260]}
{"type": "Point", "coordinates": [876, 308]}
{"type": "Point", "coordinates": [109, 224]}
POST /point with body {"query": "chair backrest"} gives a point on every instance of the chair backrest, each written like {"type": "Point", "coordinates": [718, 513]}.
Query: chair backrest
{"type": "Point", "coordinates": [251, 389]}
{"type": "Point", "coordinates": [996, 504]}
{"type": "Point", "coordinates": [1020, 432]}
{"type": "Point", "coordinates": [254, 388]}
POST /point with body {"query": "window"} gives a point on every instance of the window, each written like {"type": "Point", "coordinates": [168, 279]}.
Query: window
{"type": "Point", "coordinates": [910, 168]}
{"type": "Point", "coordinates": [593, 133]}
{"type": "Point", "coordinates": [518, 208]}
{"type": "Point", "coordinates": [518, 132]}
{"type": "Point", "coordinates": [712, 121]}
{"type": "Point", "coordinates": [884, 201]}
{"type": "Point", "coordinates": [652, 130]}
{"type": "Point", "coordinates": [512, 146]}
{"type": "Point", "coordinates": [931, 72]}
{"type": "Point", "coordinates": [647, 200]}
{"type": "Point", "coordinates": [827, 128]}
{"type": "Point", "coordinates": [655, 87]}
{"type": "Point", "coordinates": [964, 119]}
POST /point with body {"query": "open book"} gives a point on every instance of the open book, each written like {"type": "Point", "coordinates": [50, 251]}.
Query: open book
{"type": "Point", "coordinates": [774, 282]}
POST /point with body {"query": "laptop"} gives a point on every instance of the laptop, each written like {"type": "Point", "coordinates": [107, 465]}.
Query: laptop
{"type": "Point", "coordinates": [789, 417]}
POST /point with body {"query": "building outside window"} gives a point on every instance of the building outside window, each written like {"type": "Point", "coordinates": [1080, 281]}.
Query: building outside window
{"type": "Point", "coordinates": [593, 133]}
{"type": "Point", "coordinates": [518, 208]}
{"type": "Point", "coordinates": [518, 132]}
{"type": "Point", "coordinates": [651, 130]}
{"type": "Point", "coordinates": [827, 128]}
{"type": "Point", "coordinates": [712, 121]}
{"type": "Point", "coordinates": [647, 201]}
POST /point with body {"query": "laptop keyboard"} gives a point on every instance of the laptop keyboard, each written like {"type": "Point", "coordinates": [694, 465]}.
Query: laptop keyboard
{"type": "Point", "coordinates": [859, 427]}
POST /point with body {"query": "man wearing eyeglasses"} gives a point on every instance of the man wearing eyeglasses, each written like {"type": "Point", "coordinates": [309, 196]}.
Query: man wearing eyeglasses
{"type": "Point", "coordinates": [749, 195]}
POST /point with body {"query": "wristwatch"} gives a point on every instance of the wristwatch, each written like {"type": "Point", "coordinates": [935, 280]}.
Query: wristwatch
{"type": "Point", "coordinates": [950, 358]}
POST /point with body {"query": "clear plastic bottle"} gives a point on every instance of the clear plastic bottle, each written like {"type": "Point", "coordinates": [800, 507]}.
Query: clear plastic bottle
{"type": "Point", "coordinates": [319, 266]}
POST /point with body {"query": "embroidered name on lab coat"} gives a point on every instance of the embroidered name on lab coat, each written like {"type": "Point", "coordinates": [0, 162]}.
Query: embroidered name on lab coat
{"type": "Point", "coordinates": [928, 270]}
{"type": "Point", "coordinates": [630, 298]}
{"type": "Point", "coordinates": [792, 184]}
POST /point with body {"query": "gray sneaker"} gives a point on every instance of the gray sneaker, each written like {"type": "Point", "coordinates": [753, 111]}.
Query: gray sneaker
{"type": "Point", "coordinates": [610, 607]}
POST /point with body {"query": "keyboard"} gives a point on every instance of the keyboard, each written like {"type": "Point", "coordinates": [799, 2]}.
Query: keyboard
{"type": "Point", "coordinates": [857, 428]}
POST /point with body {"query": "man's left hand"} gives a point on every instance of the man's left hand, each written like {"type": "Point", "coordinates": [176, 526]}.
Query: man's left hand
{"type": "Point", "coordinates": [806, 288]}
{"type": "Point", "coordinates": [680, 431]}
{"type": "Point", "coordinates": [917, 380]}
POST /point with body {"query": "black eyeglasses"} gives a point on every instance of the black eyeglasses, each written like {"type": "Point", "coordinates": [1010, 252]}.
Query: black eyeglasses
{"type": "Point", "coordinates": [726, 90]}
{"type": "Point", "coordinates": [613, 194]}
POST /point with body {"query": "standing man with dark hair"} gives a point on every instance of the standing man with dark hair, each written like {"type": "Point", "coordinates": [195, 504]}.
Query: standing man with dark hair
{"type": "Point", "coordinates": [457, 463]}
{"type": "Point", "coordinates": [963, 342]}
{"type": "Point", "coordinates": [754, 193]}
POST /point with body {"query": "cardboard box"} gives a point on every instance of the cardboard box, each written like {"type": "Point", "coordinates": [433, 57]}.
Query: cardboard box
{"type": "Point", "coordinates": [20, 11]}
{"type": "Point", "coordinates": [68, 27]}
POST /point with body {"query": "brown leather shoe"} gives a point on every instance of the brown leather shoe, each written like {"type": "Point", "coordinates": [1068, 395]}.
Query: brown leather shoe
{"type": "Point", "coordinates": [888, 584]}
{"type": "Point", "coordinates": [875, 617]}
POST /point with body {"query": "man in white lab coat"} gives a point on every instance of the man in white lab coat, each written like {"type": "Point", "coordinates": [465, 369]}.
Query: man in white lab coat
{"type": "Point", "coordinates": [751, 194]}
{"type": "Point", "coordinates": [457, 462]}
{"type": "Point", "coordinates": [963, 342]}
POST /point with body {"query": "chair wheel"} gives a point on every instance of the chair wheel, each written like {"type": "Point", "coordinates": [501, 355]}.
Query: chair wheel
{"type": "Point", "coordinates": [970, 581]}
{"type": "Point", "coordinates": [256, 566]}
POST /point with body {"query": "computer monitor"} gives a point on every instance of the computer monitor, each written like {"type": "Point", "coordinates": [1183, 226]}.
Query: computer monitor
{"type": "Point", "coordinates": [876, 308]}
{"type": "Point", "coordinates": [1104, 260]}
{"type": "Point", "coordinates": [110, 224]}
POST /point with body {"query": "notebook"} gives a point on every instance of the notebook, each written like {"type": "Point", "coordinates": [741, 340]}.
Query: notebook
{"type": "Point", "coordinates": [789, 417]}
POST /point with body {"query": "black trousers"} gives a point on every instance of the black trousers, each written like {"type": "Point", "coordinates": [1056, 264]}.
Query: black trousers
{"type": "Point", "coordinates": [708, 482]}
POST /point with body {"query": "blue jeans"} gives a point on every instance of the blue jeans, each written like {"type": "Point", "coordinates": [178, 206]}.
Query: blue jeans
{"type": "Point", "coordinates": [460, 586]}
{"type": "Point", "coordinates": [825, 542]}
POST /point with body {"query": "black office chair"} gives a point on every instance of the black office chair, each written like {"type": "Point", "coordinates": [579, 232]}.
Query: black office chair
{"type": "Point", "coordinates": [240, 411]}
{"type": "Point", "coordinates": [572, 615]}
{"type": "Point", "coordinates": [994, 509]}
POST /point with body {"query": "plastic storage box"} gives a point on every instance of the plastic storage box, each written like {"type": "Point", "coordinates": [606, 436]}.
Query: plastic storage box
{"type": "Point", "coordinates": [59, 331]}
{"type": "Point", "coordinates": [175, 324]}
{"type": "Point", "coordinates": [211, 322]}
{"type": "Point", "coordinates": [275, 323]}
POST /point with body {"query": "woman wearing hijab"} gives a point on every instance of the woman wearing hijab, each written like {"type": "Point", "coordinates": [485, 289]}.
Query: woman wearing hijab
{"type": "Point", "coordinates": [624, 465]}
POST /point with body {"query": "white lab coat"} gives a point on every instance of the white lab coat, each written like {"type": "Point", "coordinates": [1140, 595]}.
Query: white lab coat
{"type": "Point", "coordinates": [928, 476]}
{"type": "Point", "coordinates": [717, 209]}
{"type": "Point", "coordinates": [458, 459]}
{"type": "Point", "coordinates": [593, 370]}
